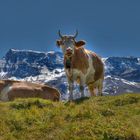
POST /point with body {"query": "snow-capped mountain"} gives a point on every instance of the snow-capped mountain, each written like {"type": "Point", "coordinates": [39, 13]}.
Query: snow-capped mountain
{"type": "Point", "coordinates": [21, 64]}
{"type": "Point", "coordinates": [122, 74]}
{"type": "Point", "coordinates": [125, 67]}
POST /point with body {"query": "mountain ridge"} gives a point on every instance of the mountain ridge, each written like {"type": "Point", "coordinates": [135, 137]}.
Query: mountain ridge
{"type": "Point", "coordinates": [122, 74]}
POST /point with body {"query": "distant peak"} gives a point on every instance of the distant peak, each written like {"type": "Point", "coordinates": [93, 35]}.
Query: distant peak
{"type": "Point", "coordinates": [17, 50]}
{"type": "Point", "coordinates": [32, 51]}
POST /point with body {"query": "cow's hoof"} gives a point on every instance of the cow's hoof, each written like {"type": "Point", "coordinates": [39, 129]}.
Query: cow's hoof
{"type": "Point", "coordinates": [83, 96]}
{"type": "Point", "coordinates": [71, 99]}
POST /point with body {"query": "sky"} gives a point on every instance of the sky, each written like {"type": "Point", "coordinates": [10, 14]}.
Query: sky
{"type": "Point", "coordinates": [109, 27]}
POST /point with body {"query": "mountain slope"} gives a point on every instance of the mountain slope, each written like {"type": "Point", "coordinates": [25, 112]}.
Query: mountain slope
{"type": "Point", "coordinates": [97, 118]}
{"type": "Point", "coordinates": [22, 63]}
{"type": "Point", "coordinates": [127, 68]}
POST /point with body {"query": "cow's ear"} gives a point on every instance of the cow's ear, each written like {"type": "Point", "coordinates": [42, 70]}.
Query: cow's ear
{"type": "Point", "coordinates": [58, 43]}
{"type": "Point", "coordinates": [80, 43]}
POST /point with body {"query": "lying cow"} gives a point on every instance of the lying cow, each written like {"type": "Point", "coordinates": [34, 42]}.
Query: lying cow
{"type": "Point", "coordinates": [81, 65]}
{"type": "Point", "coordinates": [9, 90]}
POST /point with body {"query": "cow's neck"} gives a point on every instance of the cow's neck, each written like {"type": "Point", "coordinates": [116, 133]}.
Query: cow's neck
{"type": "Point", "coordinates": [68, 61]}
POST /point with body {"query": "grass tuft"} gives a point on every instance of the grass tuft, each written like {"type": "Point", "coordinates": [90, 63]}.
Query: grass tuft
{"type": "Point", "coordinates": [126, 101]}
{"type": "Point", "coordinates": [27, 104]}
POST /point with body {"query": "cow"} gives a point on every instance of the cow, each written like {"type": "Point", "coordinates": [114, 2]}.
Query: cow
{"type": "Point", "coordinates": [9, 90]}
{"type": "Point", "coordinates": [81, 65]}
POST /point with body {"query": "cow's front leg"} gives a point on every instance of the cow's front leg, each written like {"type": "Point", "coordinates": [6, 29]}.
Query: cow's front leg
{"type": "Point", "coordinates": [82, 90]}
{"type": "Point", "coordinates": [71, 91]}
{"type": "Point", "coordinates": [82, 87]}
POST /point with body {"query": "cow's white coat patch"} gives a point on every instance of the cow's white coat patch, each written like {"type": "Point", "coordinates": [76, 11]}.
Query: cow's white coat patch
{"type": "Point", "coordinates": [4, 93]}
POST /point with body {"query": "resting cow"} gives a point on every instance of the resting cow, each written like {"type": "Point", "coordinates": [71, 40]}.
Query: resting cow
{"type": "Point", "coordinates": [9, 90]}
{"type": "Point", "coordinates": [81, 65]}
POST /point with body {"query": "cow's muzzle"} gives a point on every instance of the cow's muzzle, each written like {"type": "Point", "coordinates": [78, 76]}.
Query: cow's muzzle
{"type": "Point", "coordinates": [69, 51]}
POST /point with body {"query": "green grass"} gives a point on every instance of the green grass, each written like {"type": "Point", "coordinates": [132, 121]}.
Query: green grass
{"type": "Point", "coordinates": [97, 118]}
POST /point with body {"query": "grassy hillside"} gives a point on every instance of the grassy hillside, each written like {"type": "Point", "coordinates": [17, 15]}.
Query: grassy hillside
{"type": "Point", "coordinates": [97, 118]}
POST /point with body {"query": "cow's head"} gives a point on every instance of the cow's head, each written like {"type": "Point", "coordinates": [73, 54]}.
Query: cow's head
{"type": "Point", "coordinates": [68, 43]}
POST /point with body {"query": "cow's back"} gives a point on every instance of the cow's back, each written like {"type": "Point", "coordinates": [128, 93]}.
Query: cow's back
{"type": "Point", "coordinates": [30, 90]}
{"type": "Point", "coordinates": [9, 90]}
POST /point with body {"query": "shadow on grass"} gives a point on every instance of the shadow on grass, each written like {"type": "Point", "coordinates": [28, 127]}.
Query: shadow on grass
{"type": "Point", "coordinates": [77, 101]}
{"type": "Point", "coordinates": [81, 100]}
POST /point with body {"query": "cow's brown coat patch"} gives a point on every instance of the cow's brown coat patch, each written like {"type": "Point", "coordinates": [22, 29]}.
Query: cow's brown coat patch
{"type": "Point", "coordinates": [80, 59]}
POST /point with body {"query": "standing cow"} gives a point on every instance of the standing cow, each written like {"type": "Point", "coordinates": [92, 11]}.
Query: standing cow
{"type": "Point", "coordinates": [81, 65]}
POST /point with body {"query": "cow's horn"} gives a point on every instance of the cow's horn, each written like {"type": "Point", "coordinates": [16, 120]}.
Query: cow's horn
{"type": "Point", "coordinates": [76, 34]}
{"type": "Point", "coordinates": [59, 33]}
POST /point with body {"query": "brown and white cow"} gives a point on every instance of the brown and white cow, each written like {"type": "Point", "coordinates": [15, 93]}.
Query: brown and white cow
{"type": "Point", "coordinates": [81, 65]}
{"type": "Point", "coordinates": [9, 90]}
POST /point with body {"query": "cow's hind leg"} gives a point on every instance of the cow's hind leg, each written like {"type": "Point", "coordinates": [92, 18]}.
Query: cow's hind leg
{"type": "Point", "coordinates": [99, 85]}
{"type": "Point", "coordinates": [91, 88]}
{"type": "Point", "coordinates": [82, 86]}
